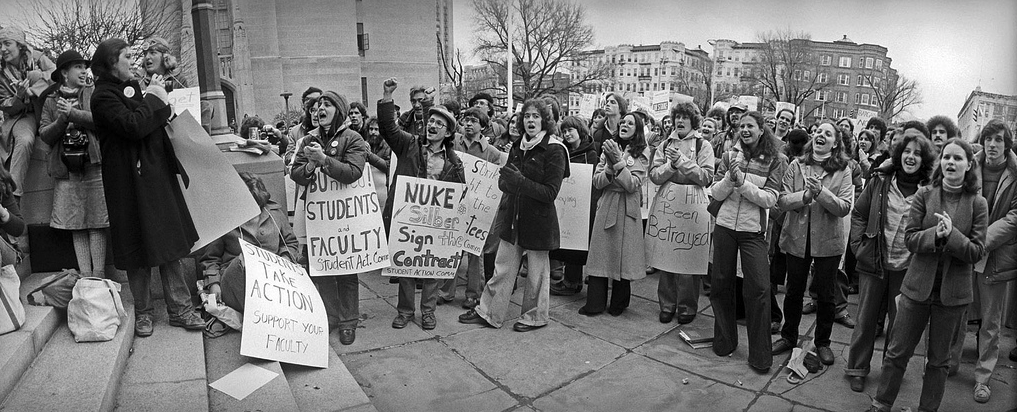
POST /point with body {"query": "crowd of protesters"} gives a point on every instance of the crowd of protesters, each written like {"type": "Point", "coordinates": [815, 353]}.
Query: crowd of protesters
{"type": "Point", "coordinates": [917, 220]}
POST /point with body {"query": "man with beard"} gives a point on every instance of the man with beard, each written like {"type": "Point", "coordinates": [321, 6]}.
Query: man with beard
{"type": "Point", "coordinates": [414, 121]}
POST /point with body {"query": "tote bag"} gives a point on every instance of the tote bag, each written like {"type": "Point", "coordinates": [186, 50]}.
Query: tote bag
{"type": "Point", "coordinates": [12, 311]}
{"type": "Point", "coordinates": [95, 311]}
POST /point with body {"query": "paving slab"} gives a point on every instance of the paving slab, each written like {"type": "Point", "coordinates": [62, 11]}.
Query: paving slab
{"type": "Point", "coordinates": [375, 329]}
{"type": "Point", "coordinates": [222, 356]}
{"type": "Point", "coordinates": [425, 376]}
{"type": "Point", "coordinates": [554, 301]}
{"type": "Point", "coordinates": [332, 388]}
{"type": "Point", "coordinates": [827, 388]}
{"type": "Point", "coordinates": [447, 316]}
{"type": "Point", "coordinates": [378, 284]}
{"type": "Point", "coordinates": [654, 386]}
{"type": "Point", "coordinates": [671, 349]}
{"type": "Point", "coordinates": [634, 327]}
{"type": "Point", "coordinates": [770, 403]}
{"type": "Point", "coordinates": [646, 288]}
{"type": "Point", "coordinates": [533, 363]}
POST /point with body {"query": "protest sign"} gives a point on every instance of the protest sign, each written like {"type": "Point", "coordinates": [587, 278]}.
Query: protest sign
{"type": "Point", "coordinates": [678, 230]}
{"type": "Point", "coordinates": [778, 106]}
{"type": "Point", "coordinates": [660, 103]}
{"type": "Point", "coordinates": [211, 182]}
{"type": "Point", "coordinates": [640, 102]}
{"type": "Point", "coordinates": [284, 317]}
{"type": "Point", "coordinates": [188, 99]}
{"type": "Point", "coordinates": [864, 116]}
{"type": "Point", "coordinates": [345, 233]}
{"type": "Point", "coordinates": [649, 191]}
{"type": "Point", "coordinates": [424, 242]}
{"type": "Point", "coordinates": [587, 104]}
{"type": "Point", "coordinates": [480, 206]}
{"type": "Point", "coordinates": [751, 101]}
{"type": "Point", "coordinates": [573, 207]}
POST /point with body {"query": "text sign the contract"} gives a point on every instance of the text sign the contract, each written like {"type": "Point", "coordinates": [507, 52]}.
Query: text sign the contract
{"type": "Point", "coordinates": [480, 206]}
{"type": "Point", "coordinates": [345, 233]}
{"type": "Point", "coordinates": [424, 242]}
{"type": "Point", "coordinates": [284, 317]}
{"type": "Point", "coordinates": [678, 230]}
{"type": "Point", "coordinates": [573, 207]}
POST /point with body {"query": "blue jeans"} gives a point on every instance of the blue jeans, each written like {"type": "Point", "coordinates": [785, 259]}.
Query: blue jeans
{"type": "Point", "coordinates": [912, 318]}
{"type": "Point", "coordinates": [341, 296]}
{"type": "Point", "coordinates": [727, 244]}
{"type": "Point", "coordinates": [472, 270]}
{"type": "Point", "coordinates": [872, 292]}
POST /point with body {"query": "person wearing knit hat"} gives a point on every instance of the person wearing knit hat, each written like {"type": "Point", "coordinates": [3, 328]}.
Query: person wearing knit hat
{"type": "Point", "coordinates": [24, 76]}
{"type": "Point", "coordinates": [340, 154]}
{"type": "Point", "coordinates": [430, 157]}
{"type": "Point", "coordinates": [156, 59]}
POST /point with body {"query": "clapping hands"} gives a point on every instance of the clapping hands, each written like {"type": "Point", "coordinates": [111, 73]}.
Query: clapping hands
{"type": "Point", "coordinates": [612, 151]}
{"type": "Point", "coordinates": [944, 226]}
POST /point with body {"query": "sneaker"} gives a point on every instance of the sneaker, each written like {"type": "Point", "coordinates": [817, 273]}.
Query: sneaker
{"type": "Point", "coordinates": [189, 321]}
{"type": "Point", "coordinates": [401, 320]}
{"type": "Point", "coordinates": [143, 326]}
{"type": "Point", "coordinates": [427, 321]}
{"type": "Point", "coordinates": [982, 393]}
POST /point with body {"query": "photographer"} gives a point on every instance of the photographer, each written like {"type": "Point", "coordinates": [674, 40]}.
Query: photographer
{"type": "Point", "coordinates": [266, 132]}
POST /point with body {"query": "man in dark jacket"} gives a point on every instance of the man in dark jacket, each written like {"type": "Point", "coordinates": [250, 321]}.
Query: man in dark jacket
{"type": "Point", "coordinates": [414, 121]}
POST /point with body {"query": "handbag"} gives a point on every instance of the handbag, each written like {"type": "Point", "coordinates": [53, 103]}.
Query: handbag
{"type": "Point", "coordinates": [95, 311]}
{"type": "Point", "coordinates": [57, 291]}
{"type": "Point", "coordinates": [10, 253]}
{"type": "Point", "coordinates": [12, 311]}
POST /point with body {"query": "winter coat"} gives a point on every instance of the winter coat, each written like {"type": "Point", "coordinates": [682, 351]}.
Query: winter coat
{"type": "Point", "coordinates": [345, 155]}
{"type": "Point", "coordinates": [411, 154]}
{"type": "Point", "coordinates": [616, 244]}
{"type": "Point", "coordinates": [745, 208]}
{"type": "Point", "coordinates": [270, 231]}
{"type": "Point", "coordinates": [957, 252]}
{"type": "Point", "coordinates": [480, 148]}
{"type": "Point", "coordinates": [695, 170]}
{"type": "Point", "coordinates": [1001, 237]}
{"type": "Point", "coordinates": [819, 222]}
{"type": "Point", "coordinates": [52, 129]}
{"type": "Point", "coordinates": [149, 221]}
{"type": "Point", "coordinates": [380, 156]}
{"type": "Point", "coordinates": [868, 226]}
{"type": "Point", "coordinates": [527, 215]}
{"type": "Point", "coordinates": [12, 106]}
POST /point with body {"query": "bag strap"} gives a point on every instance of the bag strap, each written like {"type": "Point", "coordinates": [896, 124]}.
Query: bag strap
{"type": "Point", "coordinates": [9, 309]}
{"type": "Point", "coordinates": [114, 288]}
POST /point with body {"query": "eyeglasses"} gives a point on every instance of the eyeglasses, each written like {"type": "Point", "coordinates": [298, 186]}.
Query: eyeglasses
{"type": "Point", "coordinates": [435, 123]}
{"type": "Point", "coordinates": [469, 120]}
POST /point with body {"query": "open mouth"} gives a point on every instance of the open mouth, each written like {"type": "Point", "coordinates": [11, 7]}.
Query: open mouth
{"type": "Point", "coordinates": [910, 162]}
{"type": "Point", "coordinates": [820, 141]}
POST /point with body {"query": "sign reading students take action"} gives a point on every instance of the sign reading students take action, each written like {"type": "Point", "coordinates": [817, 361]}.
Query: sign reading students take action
{"type": "Point", "coordinates": [478, 209]}
{"type": "Point", "coordinates": [424, 241]}
{"type": "Point", "coordinates": [284, 317]}
{"type": "Point", "coordinates": [573, 207]}
{"type": "Point", "coordinates": [678, 230]}
{"type": "Point", "coordinates": [345, 233]}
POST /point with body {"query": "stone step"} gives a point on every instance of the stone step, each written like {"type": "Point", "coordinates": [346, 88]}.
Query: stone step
{"type": "Point", "coordinates": [19, 349]}
{"type": "Point", "coordinates": [331, 389]}
{"type": "Point", "coordinates": [222, 356]}
{"type": "Point", "coordinates": [70, 376]}
{"type": "Point", "coordinates": [167, 368]}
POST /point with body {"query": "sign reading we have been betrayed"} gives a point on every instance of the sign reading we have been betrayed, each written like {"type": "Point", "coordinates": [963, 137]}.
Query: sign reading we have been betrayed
{"type": "Point", "coordinates": [678, 230]}
{"type": "Point", "coordinates": [478, 209]}
{"type": "Point", "coordinates": [284, 317]}
{"type": "Point", "coordinates": [424, 241]}
{"type": "Point", "coordinates": [345, 232]}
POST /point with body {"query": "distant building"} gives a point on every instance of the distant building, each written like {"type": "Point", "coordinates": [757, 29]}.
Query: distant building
{"type": "Point", "coordinates": [980, 107]}
{"type": "Point", "coordinates": [485, 78]}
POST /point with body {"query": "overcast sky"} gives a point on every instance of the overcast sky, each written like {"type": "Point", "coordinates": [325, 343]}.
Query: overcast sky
{"type": "Point", "coordinates": [948, 46]}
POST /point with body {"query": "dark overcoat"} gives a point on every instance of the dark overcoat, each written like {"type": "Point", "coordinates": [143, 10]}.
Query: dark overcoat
{"type": "Point", "coordinates": [527, 215]}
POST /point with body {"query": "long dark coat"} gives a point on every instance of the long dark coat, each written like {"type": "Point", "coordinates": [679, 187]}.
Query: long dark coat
{"type": "Point", "coordinates": [149, 221]}
{"type": "Point", "coordinates": [527, 214]}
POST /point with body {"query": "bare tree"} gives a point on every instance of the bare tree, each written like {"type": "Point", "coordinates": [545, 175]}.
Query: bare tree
{"type": "Point", "coordinates": [547, 37]}
{"type": "Point", "coordinates": [453, 69]}
{"type": "Point", "coordinates": [891, 93]}
{"type": "Point", "coordinates": [60, 25]}
{"type": "Point", "coordinates": [788, 70]}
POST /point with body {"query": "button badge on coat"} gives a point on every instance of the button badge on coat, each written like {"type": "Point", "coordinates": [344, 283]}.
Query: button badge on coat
{"type": "Point", "coordinates": [129, 92]}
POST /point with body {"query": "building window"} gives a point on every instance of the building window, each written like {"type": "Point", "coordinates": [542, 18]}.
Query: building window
{"type": "Point", "coordinates": [825, 59]}
{"type": "Point", "coordinates": [865, 99]}
{"type": "Point", "coordinates": [845, 61]}
{"type": "Point", "coordinates": [363, 40]}
{"type": "Point", "coordinates": [736, 72]}
{"type": "Point", "coordinates": [869, 62]}
{"type": "Point", "coordinates": [841, 97]}
{"type": "Point", "coordinates": [363, 89]}
{"type": "Point", "coordinates": [797, 75]}
{"type": "Point", "coordinates": [807, 75]}
{"type": "Point", "coordinates": [858, 98]}
{"type": "Point", "coordinates": [821, 95]}
{"type": "Point", "coordinates": [860, 80]}
{"type": "Point", "coordinates": [823, 78]}
{"type": "Point", "coordinates": [842, 79]}
{"type": "Point", "coordinates": [879, 64]}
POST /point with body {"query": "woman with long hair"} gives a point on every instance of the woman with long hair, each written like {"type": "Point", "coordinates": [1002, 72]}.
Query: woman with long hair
{"type": "Point", "coordinates": [816, 195]}
{"type": "Point", "coordinates": [877, 239]}
{"type": "Point", "coordinates": [946, 237]}
{"type": "Point", "coordinates": [866, 153]}
{"type": "Point", "coordinates": [576, 136]}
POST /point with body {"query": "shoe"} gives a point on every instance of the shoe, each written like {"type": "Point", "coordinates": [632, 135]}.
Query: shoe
{"type": "Point", "coordinates": [665, 317]}
{"type": "Point", "coordinates": [189, 321]}
{"type": "Point", "coordinates": [825, 355]}
{"type": "Point", "coordinates": [761, 371]}
{"type": "Point", "coordinates": [875, 408]}
{"type": "Point", "coordinates": [427, 321]}
{"type": "Point", "coordinates": [471, 316]}
{"type": "Point", "coordinates": [615, 311]}
{"type": "Point", "coordinates": [1013, 355]}
{"type": "Point", "coordinates": [845, 319]}
{"type": "Point", "coordinates": [143, 326]}
{"type": "Point", "coordinates": [774, 328]}
{"type": "Point", "coordinates": [809, 308]}
{"type": "Point", "coordinates": [442, 301]}
{"type": "Point", "coordinates": [584, 312]}
{"type": "Point", "coordinates": [401, 321]}
{"type": "Point", "coordinates": [686, 318]}
{"type": "Point", "coordinates": [471, 303]}
{"type": "Point", "coordinates": [982, 393]}
{"type": "Point", "coordinates": [780, 346]}
{"type": "Point", "coordinates": [953, 369]}
{"type": "Point", "coordinates": [522, 327]}
{"type": "Point", "coordinates": [347, 336]}
{"type": "Point", "coordinates": [857, 383]}
{"type": "Point", "coordinates": [562, 289]}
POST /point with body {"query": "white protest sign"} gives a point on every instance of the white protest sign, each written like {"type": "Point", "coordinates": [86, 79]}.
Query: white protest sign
{"type": "Point", "coordinates": [186, 99]}
{"type": "Point", "coordinates": [424, 242]}
{"type": "Point", "coordinates": [751, 101]}
{"type": "Point", "coordinates": [640, 102]}
{"type": "Point", "coordinates": [660, 103]}
{"type": "Point", "coordinates": [345, 232]}
{"type": "Point", "coordinates": [678, 230]}
{"type": "Point", "coordinates": [284, 317]}
{"type": "Point", "coordinates": [649, 191]}
{"type": "Point", "coordinates": [864, 115]}
{"type": "Point", "coordinates": [573, 207]}
{"type": "Point", "coordinates": [480, 206]}
{"type": "Point", "coordinates": [587, 104]}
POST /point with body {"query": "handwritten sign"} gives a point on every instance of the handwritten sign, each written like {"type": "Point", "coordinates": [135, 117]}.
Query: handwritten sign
{"type": "Point", "coordinates": [284, 317]}
{"type": "Point", "coordinates": [587, 104]}
{"type": "Point", "coordinates": [424, 241]}
{"type": "Point", "coordinates": [751, 101]}
{"type": "Point", "coordinates": [649, 191]}
{"type": "Point", "coordinates": [345, 233]}
{"type": "Point", "coordinates": [188, 99]}
{"type": "Point", "coordinates": [640, 102]}
{"type": "Point", "coordinates": [573, 207]}
{"type": "Point", "coordinates": [480, 206]}
{"type": "Point", "coordinates": [660, 102]}
{"type": "Point", "coordinates": [678, 230]}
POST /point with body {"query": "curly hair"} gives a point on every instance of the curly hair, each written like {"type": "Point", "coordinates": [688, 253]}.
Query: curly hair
{"type": "Point", "coordinates": [879, 124]}
{"type": "Point", "coordinates": [971, 178]}
{"type": "Point", "coordinates": [689, 110]}
{"type": "Point", "coordinates": [546, 122]}
{"type": "Point", "coordinates": [951, 128]}
{"type": "Point", "coordinates": [768, 145]}
{"type": "Point", "coordinates": [927, 154]}
{"type": "Point", "coordinates": [838, 159]}
{"type": "Point", "coordinates": [914, 124]}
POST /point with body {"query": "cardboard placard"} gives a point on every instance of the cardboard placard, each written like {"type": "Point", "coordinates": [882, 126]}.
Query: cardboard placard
{"type": "Point", "coordinates": [751, 101]}
{"type": "Point", "coordinates": [480, 206]}
{"type": "Point", "coordinates": [284, 317]}
{"type": "Point", "coordinates": [587, 104]}
{"type": "Point", "coordinates": [660, 103]}
{"type": "Point", "coordinates": [649, 191]}
{"type": "Point", "coordinates": [188, 99]}
{"type": "Point", "coordinates": [678, 232]}
{"type": "Point", "coordinates": [573, 207]}
{"type": "Point", "coordinates": [345, 232]}
{"type": "Point", "coordinates": [424, 242]}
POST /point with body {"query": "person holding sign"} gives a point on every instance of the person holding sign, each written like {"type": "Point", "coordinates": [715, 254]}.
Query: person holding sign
{"type": "Point", "coordinates": [581, 150]}
{"type": "Point", "coordinates": [816, 195]}
{"type": "Point", "coordinates": [530, 181]}
{"type": "Point", "coordinates": [684, 158]}
{"type": "Point", "coordinates": [747, 184]}
{"type": "Point", "coordinates": [616, 247]}
{"type": "Point", "coordinates": [430, 157]}
{"type": "Point", "coordinates": [340, 153]}
{"type": "Point", "coordinates": [156, 59]}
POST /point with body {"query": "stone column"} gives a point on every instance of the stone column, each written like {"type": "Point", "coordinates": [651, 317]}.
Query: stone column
{"type": "Point", "coordinates": [212, 97]}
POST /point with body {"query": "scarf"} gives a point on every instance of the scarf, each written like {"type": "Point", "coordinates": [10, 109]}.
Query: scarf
{"type": "Point", "coordinates": [526, 143]}
{"type": "Point", "coordinates": [907, 183]}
